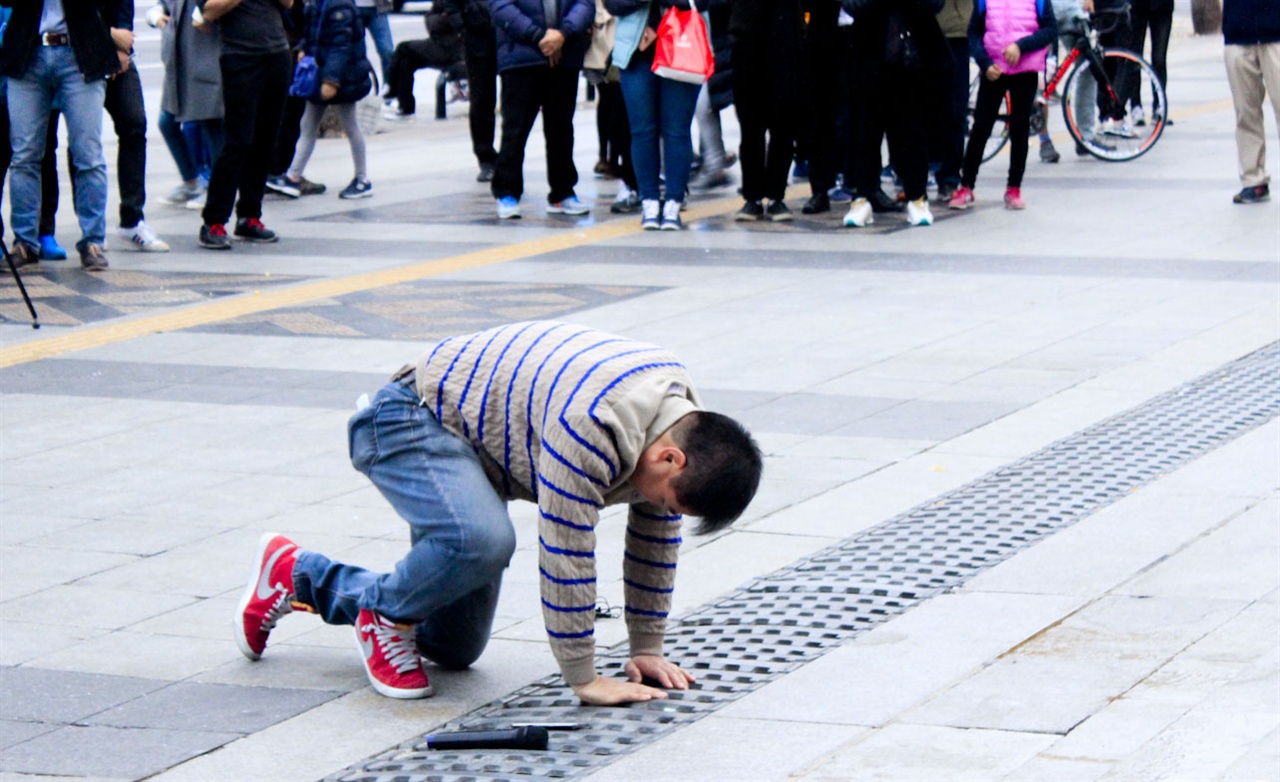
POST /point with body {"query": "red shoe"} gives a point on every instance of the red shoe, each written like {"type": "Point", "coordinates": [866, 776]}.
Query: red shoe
{"type": "Point", "coordinates": [269, 594]}
{"type": "Point", "coordinates": [962, 198]}
{"type": "Point", "coordinates": [391, 657]}
{"type": "Point", "coordinates": [1013, 199]}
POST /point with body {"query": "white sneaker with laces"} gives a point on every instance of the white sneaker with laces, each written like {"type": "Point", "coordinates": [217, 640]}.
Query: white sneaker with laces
{"type": "Point", "coordinates": [1118, 128]}
{"type": "Point", "coordinates": [918, 212]}
{"type": "Point", "coordinates": [141, 237]}
{"type": "Point", "coordinates": [859, 214]}
{"type": "Point", "coordinates": [651, 214]}
{"type": "Point", "coordinates": [1138, 115]}
{"type": "Point", "coordinates": [671, 216]}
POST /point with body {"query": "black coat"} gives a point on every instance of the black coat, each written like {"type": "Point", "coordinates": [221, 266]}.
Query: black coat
{"type": "Point", "coordinates": [871, 19]}
{"type": "Point", "coordinates": [88, 27]}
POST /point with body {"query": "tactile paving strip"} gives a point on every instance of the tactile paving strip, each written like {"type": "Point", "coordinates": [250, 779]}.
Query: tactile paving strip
{"type": "Point", "coordinates": [794, 615]}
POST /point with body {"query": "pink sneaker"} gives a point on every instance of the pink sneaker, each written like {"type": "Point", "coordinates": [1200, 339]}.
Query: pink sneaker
{"type": "Point", "coordinates": [1013, 199]}
{"type": "Point", "coordinates": [961, 199]}
{"type": "Point", "coordinates": [391, 657]}
{"type": "Point", "coordinates": [269, 594]}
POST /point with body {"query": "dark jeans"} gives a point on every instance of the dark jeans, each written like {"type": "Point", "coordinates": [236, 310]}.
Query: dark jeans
{"type": "Point", "coordinates": [1022, 92]}
{"type": "Point", "coordinates": [287, 136]}
{"type": "Point", "coordinates": [48, 169]}
{"type": "Point", "coordinates": [184, 155]}
{"type": "Point", "coordinates": [525, 92]}
{"type": "Point", "coordinates": [947, 146]}
{"type": "Point", "coordinates": [767, 123]}
{"type": "Point", "coordinates": [412, 56]}
{"type": "Point", "coordinates": [129, 115]}
{"type": "Point", "coordinates": [1160, 23]}
{"type": "Point", "coordinates": [893, 105]}
{"type": "Point", "coordinates": [615, 130]}
{"type": "Point", "coordinates": [254, 90]}
{"type": "Point", "coordinates": [480, 53]}
{"type": "Point", "coordinates": [824, 89]}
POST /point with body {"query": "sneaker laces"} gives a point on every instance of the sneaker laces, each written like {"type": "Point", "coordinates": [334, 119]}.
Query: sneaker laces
{"type": "Point", "coordinates": [396, 645]}
{"type": "Point", "coordinates": [218, 229]}
{"type": "Point", "coordinates": [282, 605]}
{"type": "Point", "coordinates": [255, 223]}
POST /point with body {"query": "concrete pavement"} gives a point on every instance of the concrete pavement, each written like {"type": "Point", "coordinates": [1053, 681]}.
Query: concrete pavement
{"type": "Point", "coordinates": [176, 407]}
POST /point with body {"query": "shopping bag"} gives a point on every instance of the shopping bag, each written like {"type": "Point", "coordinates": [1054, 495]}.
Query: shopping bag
{"type": "Point", "coordinates": [683, 48]}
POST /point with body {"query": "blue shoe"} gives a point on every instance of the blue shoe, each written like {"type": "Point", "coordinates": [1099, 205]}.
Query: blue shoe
{"type": "Point", "coordinates": [569, 206]}
{"type": "Point", "coordinates": [800, 171]}
{"type": "Point", "coordinates": [508, 208]}
{"type": "Point", "coordinates": [50, 250]}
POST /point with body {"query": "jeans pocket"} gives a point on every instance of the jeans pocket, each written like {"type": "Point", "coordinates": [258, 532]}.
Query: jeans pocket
{"type": "Point", "coordinates": [362, 444]}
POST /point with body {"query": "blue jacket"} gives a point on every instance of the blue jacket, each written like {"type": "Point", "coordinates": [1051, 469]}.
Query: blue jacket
{"type": "Point", "coordinates": [519, 24]}
{"type": "Point", "coordinates": [1249, 22]}
{"type": "Point", "coordinates": [337, 43]}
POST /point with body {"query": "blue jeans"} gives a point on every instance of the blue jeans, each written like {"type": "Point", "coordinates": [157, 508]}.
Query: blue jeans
{"type": "Point", "coordinates": [54, 78]}
{"type": "Point", "coordinates": [462, 538]}
{"type": "Point", "coordinates": [192, 159]}
{"type": "Point", "coordinates": [380, 29]}
{"type": "Point", "coordinates": [659, 108]}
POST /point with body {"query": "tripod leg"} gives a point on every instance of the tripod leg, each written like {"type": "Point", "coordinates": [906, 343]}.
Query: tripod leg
{"type": "Point", "coordinates": [35, 323]}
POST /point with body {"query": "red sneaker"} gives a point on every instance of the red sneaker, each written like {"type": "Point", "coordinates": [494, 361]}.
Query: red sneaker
{"type": "Point", "coordinates": [269, 594]}
{"type": "Point", "coordinates": [1013, 199]}
{"type": "Point", "coordinates": [391, 657]}
{"type": "Point", "coordinates": [962, 198]}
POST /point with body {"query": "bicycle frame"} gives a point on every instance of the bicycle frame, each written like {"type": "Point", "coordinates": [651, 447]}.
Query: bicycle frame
{"type": "Point", "coordinates": [1082, 46]}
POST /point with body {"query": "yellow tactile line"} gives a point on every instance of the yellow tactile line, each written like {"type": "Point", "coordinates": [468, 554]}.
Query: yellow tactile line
{"type": "Point", "coordinates": [302, 293]}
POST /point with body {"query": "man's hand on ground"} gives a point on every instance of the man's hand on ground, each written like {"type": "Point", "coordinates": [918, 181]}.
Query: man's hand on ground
{"type": "Point", "coordinates": [611, 692]}
{"type": "Point", "coordinates": [659, 669]}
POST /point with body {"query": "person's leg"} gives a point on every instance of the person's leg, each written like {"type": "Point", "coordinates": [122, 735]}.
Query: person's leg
{"type": "Point", "coordinates": [455, 636]}
{"type": "Point", "coordinates": [781, 118]}
{"type": "Point", "coordinates": [1022, 95]}
{"type": "Point", "coordinates": [239, 95]}
{"type": "Point", "coordinates": [1160, 23]}
{"type": "Point", "coordinates": [908, 132]}
{"type": "Point", "coordinates": [129, 115]}
{"type": "Point", "coordinates": [640, 95]}
{"type": "Point", "coordinates": [1139, 21]}
{"type": "Point", "coordinates": [49, 194]}
{"type": "Point", "coordinates": [274, 74]}
{"type": "Point", "coordinates": [6, 150]}
{"type": "Point", "coordinates": [309, 130]}
{"type": "Point", "coordinates": [520, 108]}
{"type": "Point", "coordinates": [710, 136]}
{"type": "Point", "coordinates": [748, 104]}
{"type": "Point", "coordinates": [559, 100]}
{"type": "Point", "coordinates": [355, 138]}
{"type": "Point", "coordinates": [990, 96]}
{"type": "Point", "coordinates": [380, 29]}
{"type": "Point", "coordinates": [171, 131]}
{"type": "Point", "coordinates": [677, 102]}
{"type": "Point", "coordinates": [482, 88]}
{"type": "Point", "coordinates": [286, 140]}
{"type": "Point", "coordinates": [1244, 75]}
{"type": "Point", "coordinates": [409, 58]}
{"type": "Point", "coordinates": [82, 106]}
{"type": "Point", "coordinates": [30, 99]}
{"type": "Point", "coordinates": [957, 109]}
{"type": "Point", "coordinates": [462, 536]}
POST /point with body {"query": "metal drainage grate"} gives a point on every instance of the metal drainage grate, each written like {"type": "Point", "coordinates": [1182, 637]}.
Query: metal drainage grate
{"type": "Point", "coordinates": [794, 615]}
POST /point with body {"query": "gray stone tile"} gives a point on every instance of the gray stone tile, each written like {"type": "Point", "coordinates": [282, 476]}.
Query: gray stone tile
{"type": "Point", "coordinates": [212, 708]}
{"type": "Point", "coordinates": [37, 694]}
{"type": "Point", "coordinates": [108, 752]}
{"type": "Point", "coordinates": [811, 413]}
{"type": "Point", "coordinates": [925, 420]}
{"type": "Point", "coordinates": [17, 731]}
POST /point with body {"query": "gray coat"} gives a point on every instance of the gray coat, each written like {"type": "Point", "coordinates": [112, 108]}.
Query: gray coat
{"type": "Point", "coordinates": [192, 76]}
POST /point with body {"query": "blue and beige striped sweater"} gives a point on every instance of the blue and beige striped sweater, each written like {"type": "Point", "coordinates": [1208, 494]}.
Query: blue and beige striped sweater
{"type": "Point", "coordinates": [559, 415]}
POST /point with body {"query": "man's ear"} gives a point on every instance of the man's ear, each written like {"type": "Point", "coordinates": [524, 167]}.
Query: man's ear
{"type": "Point", "coordinates": [674, 456]}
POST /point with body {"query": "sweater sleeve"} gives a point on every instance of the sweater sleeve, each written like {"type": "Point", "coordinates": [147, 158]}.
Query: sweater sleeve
{"type": "Point", "coordinates": [571, 481]}
{"type": "Point", "coordinates": [978, 29]}
{"type": "Point", "coordinates": [649, 575]}
{"type": "Point", "coordinates": [1045, 35]}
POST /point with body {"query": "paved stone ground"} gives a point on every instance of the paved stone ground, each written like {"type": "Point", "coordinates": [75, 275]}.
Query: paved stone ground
{"type": "Point", "coordinates": [175, 408]}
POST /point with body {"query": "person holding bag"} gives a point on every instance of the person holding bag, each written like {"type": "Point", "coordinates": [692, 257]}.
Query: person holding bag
{"type": "Point", "coordinates": [659, 109]}
{"type": "Point", "coordinates": [335, 39]}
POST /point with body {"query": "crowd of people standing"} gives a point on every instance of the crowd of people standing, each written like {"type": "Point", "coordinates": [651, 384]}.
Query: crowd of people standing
{"type": "Point", "coordinates": [818, 87]}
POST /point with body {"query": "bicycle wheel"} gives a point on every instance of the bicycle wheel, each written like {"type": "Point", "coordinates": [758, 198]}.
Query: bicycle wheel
{"type": "Point", "coordinates": [1091, 112]}
{"type": "Point", "coordinates": [999, 131]}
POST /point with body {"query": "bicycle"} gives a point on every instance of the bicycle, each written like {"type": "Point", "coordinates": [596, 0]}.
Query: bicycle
{"type": "Point", "coordinates": [1099, 83]}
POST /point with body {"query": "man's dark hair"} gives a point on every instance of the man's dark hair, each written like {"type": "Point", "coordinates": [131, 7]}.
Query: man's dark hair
{"type": "Point", "coordinates": [722, 469]}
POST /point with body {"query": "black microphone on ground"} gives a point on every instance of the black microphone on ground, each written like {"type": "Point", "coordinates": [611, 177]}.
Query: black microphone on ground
{"type": "Point", "coordinates": [526, 737]}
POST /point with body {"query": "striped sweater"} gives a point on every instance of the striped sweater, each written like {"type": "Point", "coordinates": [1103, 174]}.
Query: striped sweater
{"type": "Point", "coordinates": [559, 415]}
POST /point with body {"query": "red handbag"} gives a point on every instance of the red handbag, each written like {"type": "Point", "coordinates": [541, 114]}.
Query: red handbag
{"type": "Point", "coordinates": [683, 47]}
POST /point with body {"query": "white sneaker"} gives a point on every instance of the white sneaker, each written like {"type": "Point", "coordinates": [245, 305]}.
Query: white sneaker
{"type": "Point", "coordinates": [651, 214]}
{"type": "Point", "coordinates": [671, 216]}
{"type": "Point", "coordinates": [859, 214]}
{"type": "Point", "coordinates": [143, 238]}
{"type": "Point", "coordinates": [1120, 128]}
{"type": "Point", "coordinates": [918, 212]}
{"type": "Point", "coordinates": [1138, 116]}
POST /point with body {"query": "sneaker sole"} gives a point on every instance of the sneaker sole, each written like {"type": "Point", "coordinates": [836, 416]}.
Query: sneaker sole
{"type": "Point", "coordinates": [354, 196]}
{"type": "Point", "coordinates": [671, 227]}
{"type": "Point", "coordinates": [781, 218]}
{"type": "Point", "coordinates": [284, 192]}
{"type": "Point", "coordinates": [382, 689]}
{"type": "Point", "coordinates": [651, 226]}
{"type": "Point", "coordinates": [573, 213]}
{"type": "Point", "coordinates": [249, 592]}
{"type": "Point", "coordinates": [255, 240]}
{"type": "Point", "coordinates": [211, 246]}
